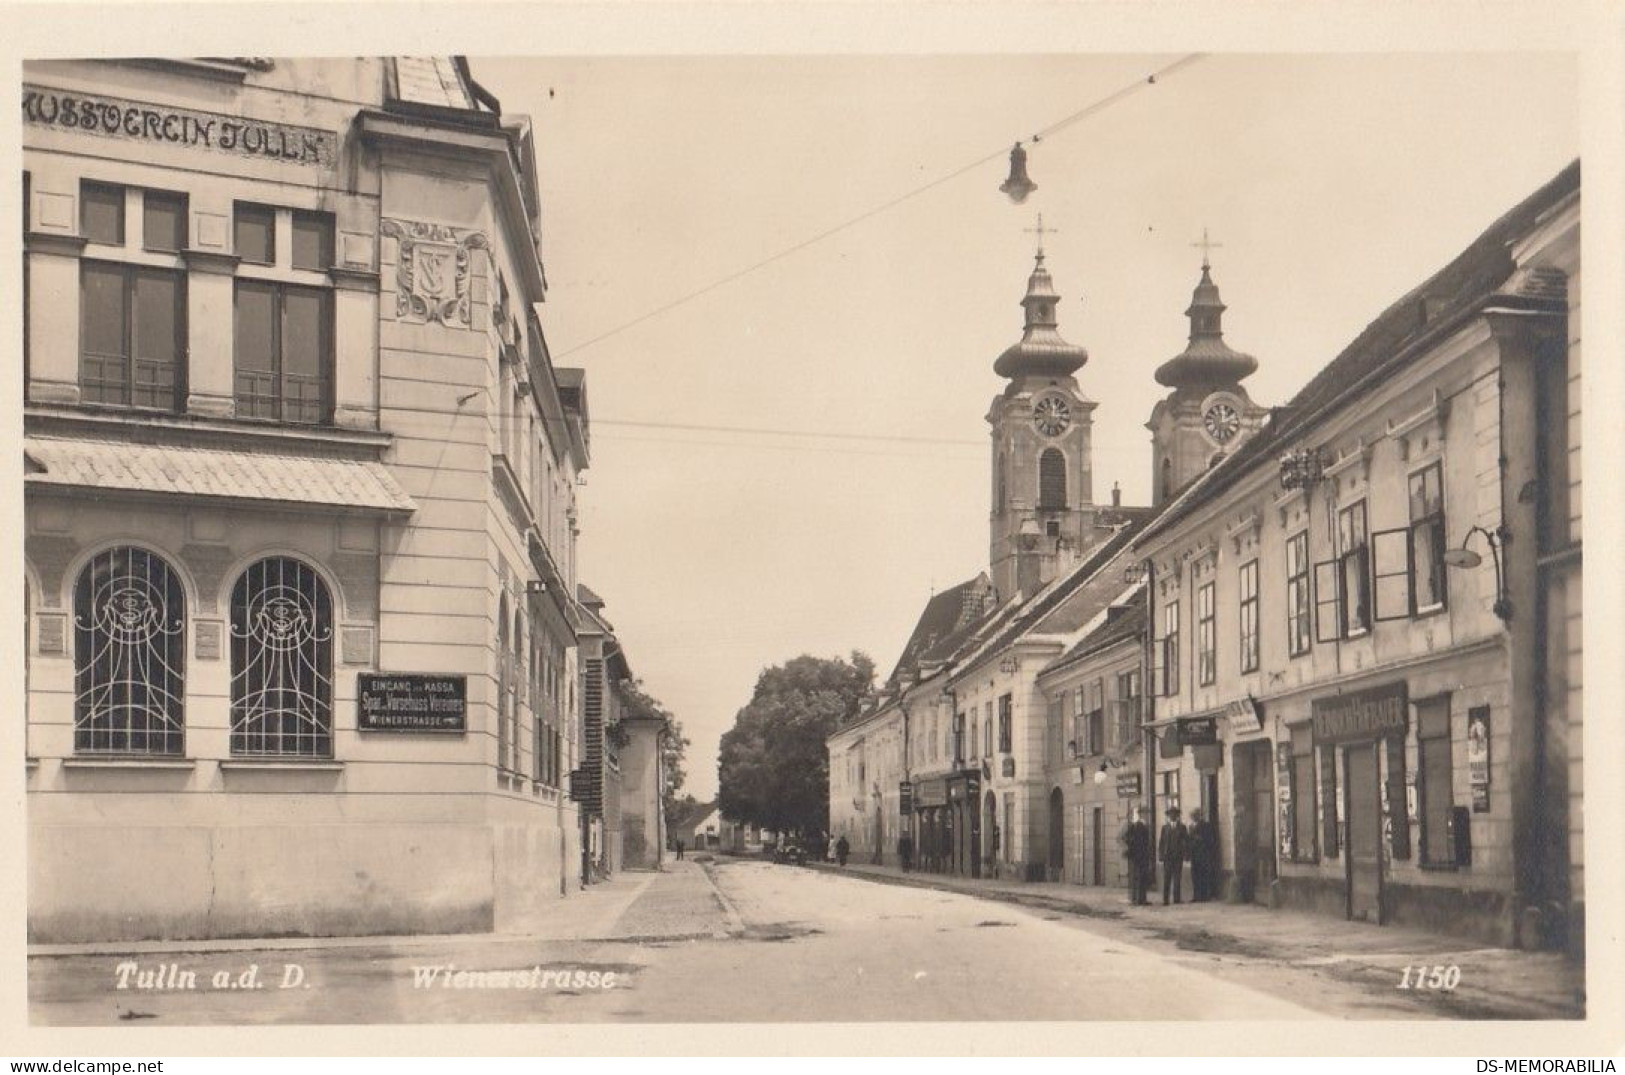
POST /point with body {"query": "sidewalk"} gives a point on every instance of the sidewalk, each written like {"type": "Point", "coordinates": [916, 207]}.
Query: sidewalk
{"type": "Point", "coordinates": [1495, 982]}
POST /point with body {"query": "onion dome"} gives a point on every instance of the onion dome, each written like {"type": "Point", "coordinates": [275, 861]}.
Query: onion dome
{"type": "Point", "coordinates": [1207, 359]}
{"type": "Point", "coordinates": [1042, 352]}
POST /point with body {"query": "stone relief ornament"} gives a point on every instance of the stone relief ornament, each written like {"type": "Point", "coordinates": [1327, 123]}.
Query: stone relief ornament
{"type": "Point", "coordinates": [432, 271]}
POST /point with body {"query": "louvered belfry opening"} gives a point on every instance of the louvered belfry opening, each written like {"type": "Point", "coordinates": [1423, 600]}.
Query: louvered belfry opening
{"type": "Point", "coordinates": [1052, 480]}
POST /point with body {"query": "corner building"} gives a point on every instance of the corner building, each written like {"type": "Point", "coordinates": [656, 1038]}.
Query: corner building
{"type": "Point", "coordinates": [299, 487]}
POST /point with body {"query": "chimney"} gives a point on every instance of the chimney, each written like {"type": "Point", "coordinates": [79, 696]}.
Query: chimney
{"type": "Point", "coordinates": [1117, 495]}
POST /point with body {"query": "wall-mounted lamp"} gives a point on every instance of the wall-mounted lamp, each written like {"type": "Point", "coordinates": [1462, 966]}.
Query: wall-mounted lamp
{"type": "Point", "coordinates": [1107, 764]}
{"type": "Point", "coordinates": [1467, 558]}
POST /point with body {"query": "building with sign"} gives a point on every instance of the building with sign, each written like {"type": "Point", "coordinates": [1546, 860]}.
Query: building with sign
{"type": "Point", "coordinates": [1365, 655]}
{"type": "Point", "coordinates": [300, 505]}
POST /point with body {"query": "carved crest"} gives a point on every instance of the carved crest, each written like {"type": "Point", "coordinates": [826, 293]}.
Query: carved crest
{"type": "Point", "coordinates": [432, 271]}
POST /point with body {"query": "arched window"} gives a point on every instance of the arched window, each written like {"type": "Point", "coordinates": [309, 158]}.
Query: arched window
{"type": "Point", "coordinates": [281, 661]}
{"type": "Point", "coordinates": [1052, 480]}
{"type": "Point", "coordinates": [129, 645]}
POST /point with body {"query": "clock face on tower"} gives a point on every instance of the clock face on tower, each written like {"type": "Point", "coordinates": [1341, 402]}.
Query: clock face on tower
{"type": "Point", "coordinates": [1051, 415]}
{"type": "Point", "coordinates": [1222, 422]}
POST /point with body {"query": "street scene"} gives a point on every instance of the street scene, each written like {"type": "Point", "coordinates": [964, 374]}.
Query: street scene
{"type": "Point", "coordinates": [678, 539]}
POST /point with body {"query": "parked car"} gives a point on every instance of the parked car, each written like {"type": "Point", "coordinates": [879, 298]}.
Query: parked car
{"type": "Point", "coordinates": [790, 854]}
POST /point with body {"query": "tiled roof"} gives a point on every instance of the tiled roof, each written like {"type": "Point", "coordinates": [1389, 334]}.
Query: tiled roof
{"type": "Point", "coordinates": [431, 80]}
{"type": "Point", "coordinates": [118, 466]}
{"type": "Point", "coordinates": [1122, 622]}
{"type": "Point", "coordinates": [1455, 290]}
{"type": "Point", "coordinates": [943, 618]}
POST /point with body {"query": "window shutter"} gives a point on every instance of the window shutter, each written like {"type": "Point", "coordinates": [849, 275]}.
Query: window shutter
{"type": "Point", "coordinates": [1391, 557]}
{"type": "Point", "coordinates": [1328, 602]}
{"type": "Point", "coordinates": [1328, 800]}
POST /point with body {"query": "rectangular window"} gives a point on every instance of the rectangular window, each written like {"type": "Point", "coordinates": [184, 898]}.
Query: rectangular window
{"type": "Point", "coordinates": [1434, 775]}
{"type": "Point", "coordinates": [1297, 594]}
{"type": "Point", "coordinates": [284, 352]}
{"type": "Point", "coordinates": [132, 335]}
{"type": "Point", "coordinates": [1128, 708]}
{"type": "Point", "coordinates": [1328, 602]}
{"type": "Point", "coordinates": [163, 221]}
{"type": "Point", "coordinates": [959, 737]}
{"type": "Point", "coordinates": [312, 241]}
{"type": "Point", "coordinates": [1354, 569]}
{"type": "Point", "coordinates": [1247, 586]}
{"type": "Point", "coordinates": [1093, 733]}
{"type": "Point", "coordinates": [1304, 837]}
{"type": "Point", "coordinates": [987, 731]}
{"type": "Point", "coordinates": [101, 213]}
{"type": "Point", "coordinates": [1004, 723]}
{"type": "Point", "coordinates": [1428, 538]}
{"type": "Point", "coordinates": [1392, 573]}
{"type": "Point", "coordinates": [1207, 656]}
{"type": "Point", "coordinates": [254, 233]}
{"type": "Point", "coordinates": [1170, 648]}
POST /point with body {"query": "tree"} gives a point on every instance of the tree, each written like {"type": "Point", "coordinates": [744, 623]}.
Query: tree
{"type": "Point", "coordinates": [772, 766]}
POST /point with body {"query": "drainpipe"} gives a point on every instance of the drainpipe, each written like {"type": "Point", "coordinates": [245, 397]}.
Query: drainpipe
{"type": "Point", "coordinates": [1148, 770]}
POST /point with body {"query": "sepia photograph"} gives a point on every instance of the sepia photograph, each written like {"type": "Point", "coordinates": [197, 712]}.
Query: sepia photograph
{"type": "Point", "coordinates": [763, 536]}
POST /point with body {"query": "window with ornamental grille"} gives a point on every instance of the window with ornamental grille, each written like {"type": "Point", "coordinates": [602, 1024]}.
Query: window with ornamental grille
{"type": "Point", "coordinates": [281, 661]}
{"type": "Point", "coordinates": [1052, 480]}
{"type": "Point", "coordinates": [129, 656]}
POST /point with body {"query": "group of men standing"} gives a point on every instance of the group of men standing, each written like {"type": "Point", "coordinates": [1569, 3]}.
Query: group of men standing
{"type": "Point", "coordinates": [1176, 845]}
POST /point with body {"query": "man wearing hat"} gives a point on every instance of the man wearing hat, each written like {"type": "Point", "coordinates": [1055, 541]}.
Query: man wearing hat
{"type": "Point", "coordinates": [1172, 850]}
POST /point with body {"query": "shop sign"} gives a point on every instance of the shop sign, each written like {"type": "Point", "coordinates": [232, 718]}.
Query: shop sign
{"type": "Point", "coordinates": [139, 121]}
{"type": "Point", "coordinates": [1244, 715]}
{"type": "Point", "coordinates": [930, 793]}
{"type": "Point", "coordinates": [905, 797]}
{"type": "Point", "coordinates": [1369, 714]}
{"type": "Point", "coordinates": [411, 703]}
{"type": "Point", "coordinates": [1478, 746]}
{"type": "Point", "coordinates": [1198, 731]}
{"type": "Point", "coordinates": [1128, 785]}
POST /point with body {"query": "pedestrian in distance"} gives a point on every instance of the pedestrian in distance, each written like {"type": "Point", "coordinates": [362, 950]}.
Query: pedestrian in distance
{"type": "Point", "coordinates": [905, 851]}
{"type": "Point", "coordinates": [993, 858]}
{"type": "Point", "coordinates": [1173, 847]}
{"type": "Point", "coordinates": [1204, 841]}
{"type": "Point", "coordinates": [842, 849]}
{"type": "Point", "coordinates": [1137, 850]}
{"type": "Point", "coordinates": [679, 850]}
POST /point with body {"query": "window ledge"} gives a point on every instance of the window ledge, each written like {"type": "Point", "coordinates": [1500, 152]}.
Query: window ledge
{"type": "Point", "coordinates": [195, 429]}
{"type": "Point", "coordinates": [129, 763]}
{"type": "Point", "coordinates": [302, 765]}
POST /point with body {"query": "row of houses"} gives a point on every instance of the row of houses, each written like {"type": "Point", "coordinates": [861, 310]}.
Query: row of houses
{"type": "Point", "coordinates": [1347, 630]}
{"type": "Point", "coordinates": [305, 647]}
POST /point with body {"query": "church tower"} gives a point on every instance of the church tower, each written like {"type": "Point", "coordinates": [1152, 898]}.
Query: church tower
{"type": "Point", "coordinates": [1208, 413]}
{"type": "Point", "coordinates": [1043, 511]}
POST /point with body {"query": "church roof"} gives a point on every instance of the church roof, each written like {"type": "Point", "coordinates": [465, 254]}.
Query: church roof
{"type": "Point", "coordinates": [941, 622]}
{"type": "Point", "coordinates": [1041, 350]}
{"type": "Point", "coordinates": [1123, 622]}
{"type": "Point", "coordinates": [1207, 359]}
{"type": "Point", "coordinates": [1425, 315]}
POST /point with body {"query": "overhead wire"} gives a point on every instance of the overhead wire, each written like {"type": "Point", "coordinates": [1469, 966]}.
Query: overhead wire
{"type": "Point", "coordinates": [1042, 133]}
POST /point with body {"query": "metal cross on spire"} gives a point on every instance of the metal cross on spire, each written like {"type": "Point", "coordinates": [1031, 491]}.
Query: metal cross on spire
{"type": "Point", "coordinates": [1041, 231]}
{"type": "Point", "coordinates": [1206, 244]}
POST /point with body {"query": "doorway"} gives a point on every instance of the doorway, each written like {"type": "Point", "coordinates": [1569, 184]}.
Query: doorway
{"type": "Point", "coordinates": [1057, 835]}
{"type": "Point", "coordinates": [1363, 804]}
{"type": "Point", "coordinates": [991, 836]}
{"type": "Point", "coordinates": [1255, 822]}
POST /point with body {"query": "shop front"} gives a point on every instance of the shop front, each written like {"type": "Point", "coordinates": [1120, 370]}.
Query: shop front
{"type": "Point", "coordinates": [932, 830]}
{"type": "Point", "coordinates": [962, 823]}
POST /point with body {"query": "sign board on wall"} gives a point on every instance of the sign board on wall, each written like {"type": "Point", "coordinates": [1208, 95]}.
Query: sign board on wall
{"type": "Point", "coordinates": [388, 702]}
{"type": "Point", "coordinates": [1478, 756]}
{"type": "Point", "coordinates": [905, 797]}
{"type": "Point", "coordinates": [1198, 731]}
{"type": "Point", "coordinates": [1368, 714]}
{"type": "Point", "coordinates": [1128, 785]}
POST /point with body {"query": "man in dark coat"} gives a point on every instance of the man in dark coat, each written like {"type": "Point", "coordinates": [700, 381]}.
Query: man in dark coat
{"type": "Point", "coordinates": [1172, 848]}
{"type": "Point", "coordinates": [1137, 849]}
{"type": "Point", "coordinates": [1204, 847]}
{"type": "Point", "coordinates": [842, 849]}
{"type": "Point", "coordinates": [905, 851]}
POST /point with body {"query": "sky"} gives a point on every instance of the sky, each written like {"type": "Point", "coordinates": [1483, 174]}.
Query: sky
{"type": "Point", "coordinates": [1332, 184]}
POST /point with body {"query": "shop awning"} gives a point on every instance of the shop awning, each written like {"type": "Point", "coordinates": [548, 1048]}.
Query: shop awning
{"type": "Point", "coordinates": [121, 467]}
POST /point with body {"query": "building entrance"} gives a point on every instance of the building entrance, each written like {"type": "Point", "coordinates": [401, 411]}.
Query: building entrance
{"type": "Point", "coordinates": [1255, 821]}
{"type": "Point", "coordinates": [1097, 841]}
{"type": "Point", "coordinates": [1363, 804]}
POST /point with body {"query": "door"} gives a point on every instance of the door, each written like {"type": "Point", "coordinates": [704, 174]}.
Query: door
{"type": "Point", "coordinates": [1363, 805]}
{"type": "Point", "coordinates": [1255, 821]}
{"type": "Point", "coordinates": [1097, 842]}
{"type": "Point", "coordinates": [1057, 834]}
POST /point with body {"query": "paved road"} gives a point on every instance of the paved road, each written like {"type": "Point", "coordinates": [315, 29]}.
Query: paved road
{"type": "Point", "coordinates": [741, 941]}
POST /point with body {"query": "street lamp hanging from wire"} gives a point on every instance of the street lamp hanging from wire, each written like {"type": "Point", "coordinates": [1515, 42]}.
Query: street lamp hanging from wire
{"type": "Point", "coordinates": [1018, 186]}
